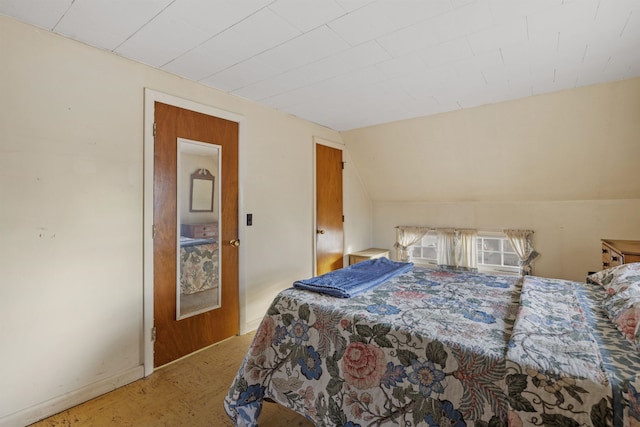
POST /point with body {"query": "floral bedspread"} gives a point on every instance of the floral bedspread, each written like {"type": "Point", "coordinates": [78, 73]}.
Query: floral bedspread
{"type": "Point", "coordinates": [406, 353]}
{"type": "Point", "coordinates": [436, 348]}
{"type": "Point", "coordinates": [198, 268]}
{"type": "Point", "coordinates": [567, 364]}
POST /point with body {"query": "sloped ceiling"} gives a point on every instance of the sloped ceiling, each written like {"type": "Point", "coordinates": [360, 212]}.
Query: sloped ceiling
{"type": "Point", "coordinates": [347, 64]}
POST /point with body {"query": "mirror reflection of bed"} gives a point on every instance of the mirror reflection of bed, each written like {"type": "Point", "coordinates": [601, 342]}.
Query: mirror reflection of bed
{"type": "Point", "coordinates": [198, 273]}
{"type": "Point", "coordinates": [199, 270]}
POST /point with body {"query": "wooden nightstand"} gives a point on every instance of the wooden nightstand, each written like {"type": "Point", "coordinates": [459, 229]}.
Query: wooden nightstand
{"type": "Point", "coordinates": [618, 252]}
{"type": "Point", "coordinates": [370, 253]}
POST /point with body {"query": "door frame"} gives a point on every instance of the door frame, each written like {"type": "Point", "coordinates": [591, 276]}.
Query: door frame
{"type": "Point", "coordinates": [320, 141]}
{"type": "Point", "coordinates": [150, 97]}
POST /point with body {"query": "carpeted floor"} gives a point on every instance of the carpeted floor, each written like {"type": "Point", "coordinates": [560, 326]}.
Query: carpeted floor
{"type": "Point", "coordinates": [188, 392]}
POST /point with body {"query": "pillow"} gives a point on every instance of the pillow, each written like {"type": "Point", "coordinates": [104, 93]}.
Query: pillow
{"type": "Point", "coordinates": [623, 308]}
{"type": "Point", "coordinates": [618, 278]}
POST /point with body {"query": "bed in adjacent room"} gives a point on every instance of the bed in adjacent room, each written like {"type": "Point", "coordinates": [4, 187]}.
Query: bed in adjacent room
{"type": "Point", "coordinates": [198, 264]}
{"type": "Point", "coordinates": [434, 347]}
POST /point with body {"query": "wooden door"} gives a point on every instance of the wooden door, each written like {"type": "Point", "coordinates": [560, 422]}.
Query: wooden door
{"type": "Point", "coordinates": [329, 217]}
{"type": "Point", "coordinates": [177, 338]}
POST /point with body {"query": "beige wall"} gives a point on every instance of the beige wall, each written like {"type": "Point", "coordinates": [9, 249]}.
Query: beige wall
{"type": "Point", "coordinates": [563, 164]}
{"type": "Point", "coordinates": [71, 214]}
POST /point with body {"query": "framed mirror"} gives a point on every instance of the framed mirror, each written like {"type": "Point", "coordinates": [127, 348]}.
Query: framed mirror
{"type": "Point", "coordinates": [198, 254]}
{"type": "Point", "coordinates": [202, 190]}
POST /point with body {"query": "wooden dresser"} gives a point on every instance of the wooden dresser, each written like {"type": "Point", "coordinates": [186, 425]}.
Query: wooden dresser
{"type": "Point", "coordinates": [199, 231]}
{"type": "Point", "coordinates": [618, 252]}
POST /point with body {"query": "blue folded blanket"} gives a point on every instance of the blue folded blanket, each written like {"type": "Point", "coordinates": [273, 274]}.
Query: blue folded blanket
{"type": "Point", "coordinates": [355, 279]}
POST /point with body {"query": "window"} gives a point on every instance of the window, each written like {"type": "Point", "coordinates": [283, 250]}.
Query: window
{"type": "Point", "coordinates": [495, 253]}
{"type": "Point", "coordinates": [425, 251]}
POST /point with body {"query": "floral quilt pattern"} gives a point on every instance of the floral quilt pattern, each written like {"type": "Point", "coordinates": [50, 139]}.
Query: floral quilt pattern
{"type": "Point", "coordinates": [442, 348]}
{"type": "Point", "coordinates": [407, 353]}
{"type": "Point", "coordinates": [566, 363]}
{"type": "Point", "coordinates": [198, 268]}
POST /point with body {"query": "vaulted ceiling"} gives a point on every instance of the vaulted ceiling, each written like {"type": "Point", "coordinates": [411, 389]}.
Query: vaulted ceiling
{"type": "Point", "coordinates": [347, 64]}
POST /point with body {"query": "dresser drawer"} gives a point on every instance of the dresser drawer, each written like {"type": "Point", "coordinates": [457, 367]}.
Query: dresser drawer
{"type": "Point", "coordinates": [610, 257]}
{"type": "Point", "coordinates": [615, 258]}
{"type": "Point", "coordinates": [199, 231]}
{"type": "Point", "coordinates": [618, 252]}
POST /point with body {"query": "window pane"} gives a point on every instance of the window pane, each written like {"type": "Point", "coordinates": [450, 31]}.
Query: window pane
{"type": "Point", "coordinates": [492, 258]}
{"type": "Point", "coordinates": [429, 253]}
{"type": "Point", "coordinates": [428, 240]}
{"type": "Point", "coordinates": [508, 247]}
{"type": "Point", "coordinates": [491, 245]}
{"type": "Point", "coordinates": [414, 252]}
{"type": "Point", "coordinates": [511, 259]}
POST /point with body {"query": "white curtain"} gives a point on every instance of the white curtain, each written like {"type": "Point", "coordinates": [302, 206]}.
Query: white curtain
{"type": "Point", "coordinates": [466, 249]}
{"type": "Point", "coordinates": [405, 237]}
{"type": "Point", "coordinates": [522, 245]}
{"type": "Point", "coordinates": [446, 247]}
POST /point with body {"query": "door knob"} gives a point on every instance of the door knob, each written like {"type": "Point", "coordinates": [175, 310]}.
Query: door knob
{"type": "Point", "coordinates": [320, 231]}
{"type": "Point", "coordinates": [235, 243]}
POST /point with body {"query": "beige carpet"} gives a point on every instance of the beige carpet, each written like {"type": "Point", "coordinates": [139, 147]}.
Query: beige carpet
{"type": "Point", "coordinates": [188, 392]}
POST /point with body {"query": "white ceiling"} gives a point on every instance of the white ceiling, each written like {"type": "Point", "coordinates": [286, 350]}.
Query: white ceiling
{"type": "Point", "coordinates": [348, 64]}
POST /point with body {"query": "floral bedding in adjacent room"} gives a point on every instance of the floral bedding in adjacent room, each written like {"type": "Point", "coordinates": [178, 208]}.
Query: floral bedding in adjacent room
{"type": "Point", "coordinates": [198, 268]}
{"type": "Point", "coordinates": [432, 348]}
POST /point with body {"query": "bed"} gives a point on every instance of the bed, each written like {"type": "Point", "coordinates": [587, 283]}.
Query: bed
{"type": "Point", "coordinates": [198, 265]}
{"type": "Point", "coordinates": [434, 347]}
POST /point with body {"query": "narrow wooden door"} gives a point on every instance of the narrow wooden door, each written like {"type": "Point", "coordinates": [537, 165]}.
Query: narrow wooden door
{"type": "Point", "coordinates": [329, 216]}
{"type": "Point", "coordinates": [177, 338]}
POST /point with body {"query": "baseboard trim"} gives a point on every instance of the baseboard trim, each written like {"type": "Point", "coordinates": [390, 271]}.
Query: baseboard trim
{"type": "Point", "coordinates": [73, 398]}
{"type": "Point", "coordinates": [250, 326]}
